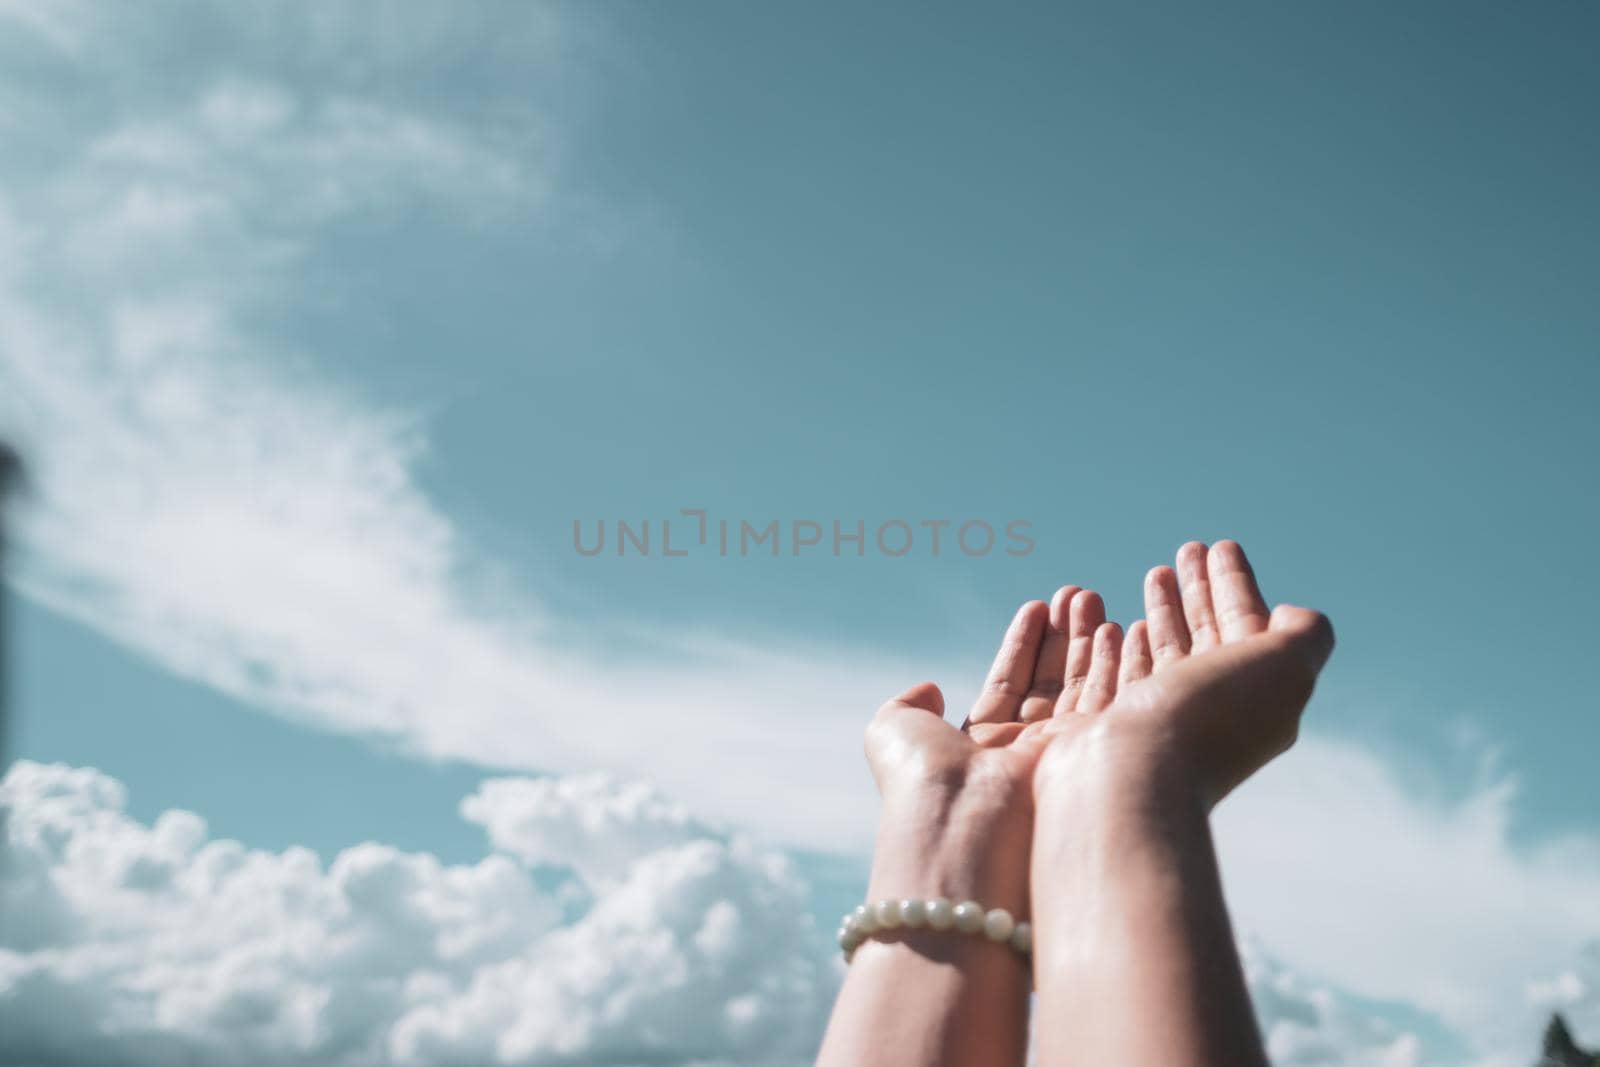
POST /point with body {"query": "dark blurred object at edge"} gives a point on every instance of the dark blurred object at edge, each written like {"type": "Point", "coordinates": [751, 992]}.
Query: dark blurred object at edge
{"type": "Point", "coordinates": [1560, 1050]}
{"type": "Point", "coordinates": [10, 475]}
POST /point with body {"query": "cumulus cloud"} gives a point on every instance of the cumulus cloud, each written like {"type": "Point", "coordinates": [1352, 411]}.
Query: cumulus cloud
{"type": "Point", "coordinates": [132, 944]}
{"type": "Point", "coordinates": [129, 944]}
{"type": "Point", "coordinates": [592, 822]}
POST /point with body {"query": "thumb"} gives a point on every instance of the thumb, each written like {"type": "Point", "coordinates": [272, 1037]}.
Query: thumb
{"type": "Point", "coordinates": [904, 723]}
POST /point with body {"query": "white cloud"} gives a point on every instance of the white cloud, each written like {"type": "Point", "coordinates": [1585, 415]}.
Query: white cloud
{"type": "Point", "coordinates": [1305, 1023]}
{"type": "Point", "coordinates": [131, 944]}
{"type": "Point", "coordinates": [593, 822]}
{"type": "Point", "coordinates": [1348, 875]}
{"type": "Point", "coordinates": [125, 943]}
{"type": "Point", "coordinates": [270, 541]}
{"type": "Point", "coordinates": [207, 499]}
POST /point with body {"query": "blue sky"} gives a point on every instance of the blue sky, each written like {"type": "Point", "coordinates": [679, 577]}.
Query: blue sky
{"type": "Point", "coordinates": [319, 349]}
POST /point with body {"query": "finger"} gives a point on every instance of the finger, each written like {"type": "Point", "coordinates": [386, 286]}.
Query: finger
{"type": "Point", "coordinates": [1310, 630]}
{"type": "Point", "coordinates": [1100, 687]}
{"type": "Point", "coordinates": [1085, 615]}
{"type": "Point", "coordinates": [907, 723]}
{"type": "Point", "coordinates": [924, 696]}
{"type": "Point", "coordinates": [1195, 583]}
{"type": "Point", "coordinates": [1047, 671]}
{"type": "Point", "coordinates": [1234, 594]}
{"type": "Point", "coordinates": [1012, 674]}
{"type": "Point", "coordinates": [1136, 661]}
{"type": "Point", "coordinates": [1163, 612]}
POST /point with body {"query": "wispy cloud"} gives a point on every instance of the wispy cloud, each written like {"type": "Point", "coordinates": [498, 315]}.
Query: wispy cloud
{"type": "Point", "coordinates": [1351, 876]}
{"type": "Point", "coordinates": [1304, 1022]}
{"type": "Point", "coordinates": [269, 540]}
{"type": "Point", "coordinates": [208, 498]}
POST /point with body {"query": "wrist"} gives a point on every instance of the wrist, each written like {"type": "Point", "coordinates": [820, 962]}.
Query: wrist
{"type": "Point", "coordinates": [1119, 769]}
{"type": "Point", "coordinates": [973, 846]}
{"type": "Point", "coordinates": [1121, 820]}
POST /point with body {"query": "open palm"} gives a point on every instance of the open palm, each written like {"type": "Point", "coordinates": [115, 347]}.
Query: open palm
{"type": "Point", "coordinates": [974, 782]}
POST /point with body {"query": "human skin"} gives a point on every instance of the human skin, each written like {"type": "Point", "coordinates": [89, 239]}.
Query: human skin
{"type": "Point", "coordinates": [957, 823]}
{"type": "Point", "coordinates": [1134, 959]}
{"type": "Point", "coordinates": [1122, 747]}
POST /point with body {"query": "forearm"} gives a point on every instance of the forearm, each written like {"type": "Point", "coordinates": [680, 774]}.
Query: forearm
{"type": "Point", "coordinates": [1134, 957]}
{"type": "Point", "coordinates": [919, 998]}
{"type": "Point", "coordinates": [930, 998]}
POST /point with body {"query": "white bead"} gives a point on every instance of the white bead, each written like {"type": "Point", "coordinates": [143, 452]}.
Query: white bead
{"type": "Point", "coordinates": [998, 924]}
{"type": "Point", "coordinates": [969, 916]}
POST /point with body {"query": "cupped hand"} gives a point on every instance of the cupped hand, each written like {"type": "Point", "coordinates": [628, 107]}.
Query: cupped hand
{"type": "Point", "coordinates": [1211, 683]}
{"type": "Point", "coordinates": [958, 801]}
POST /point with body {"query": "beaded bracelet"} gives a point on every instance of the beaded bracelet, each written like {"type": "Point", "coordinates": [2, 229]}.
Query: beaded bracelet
{"type": "Point", "coordinates": [968, 917]}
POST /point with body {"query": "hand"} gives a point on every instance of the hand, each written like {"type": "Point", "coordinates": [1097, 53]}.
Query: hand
{"type": "Point", "coordinates": [1211, 684]}
{"type": "Point", "coordinates": [1134, 958]}
{"type": "Point", "coordinates": [957, 823]}
{"type": "Point", "coordinates": [958, 808]}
